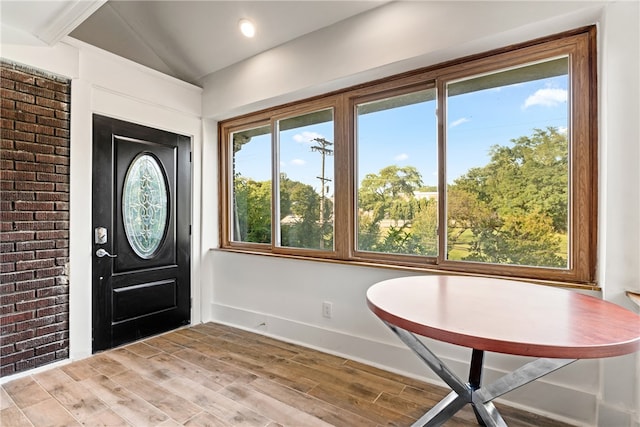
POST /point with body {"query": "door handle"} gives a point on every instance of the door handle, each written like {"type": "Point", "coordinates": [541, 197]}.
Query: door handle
{"type": "Point", "coordinates": [102, 253]}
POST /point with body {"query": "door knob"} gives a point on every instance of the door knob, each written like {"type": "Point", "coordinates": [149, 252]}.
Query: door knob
{"type": "Point", "coordinates": [102, 253]}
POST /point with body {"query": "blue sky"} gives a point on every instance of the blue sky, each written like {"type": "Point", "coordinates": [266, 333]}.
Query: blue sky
{"type": "Point", "coordinates": [406, 136]}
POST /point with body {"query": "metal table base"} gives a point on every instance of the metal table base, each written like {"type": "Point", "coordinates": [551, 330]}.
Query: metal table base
{"type": "Point", "coordinates": [480, 397]}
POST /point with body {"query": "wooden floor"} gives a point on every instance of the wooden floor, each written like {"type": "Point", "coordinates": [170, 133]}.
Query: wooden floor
{"type": "Point", "coordinates": [213, 375]}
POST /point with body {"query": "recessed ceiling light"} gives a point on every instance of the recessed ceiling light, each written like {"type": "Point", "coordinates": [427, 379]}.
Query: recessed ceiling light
{"type": "Point", "coordinates": [247, 28]}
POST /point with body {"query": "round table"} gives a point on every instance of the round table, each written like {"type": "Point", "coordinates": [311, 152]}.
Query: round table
{"type": "Point", "coordinates": [557, 326]}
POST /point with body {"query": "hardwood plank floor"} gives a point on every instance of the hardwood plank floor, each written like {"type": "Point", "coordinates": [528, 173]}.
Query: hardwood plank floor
{"type": "Point", "coordinates": [214, 375]}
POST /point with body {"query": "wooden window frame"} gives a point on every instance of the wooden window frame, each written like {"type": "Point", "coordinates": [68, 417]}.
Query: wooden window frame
{"type": "Point", "coordinates": [579, 44]}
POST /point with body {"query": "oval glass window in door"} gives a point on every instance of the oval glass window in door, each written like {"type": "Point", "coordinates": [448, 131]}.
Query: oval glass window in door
{"type": "Point", "coordinates": [144, 205]}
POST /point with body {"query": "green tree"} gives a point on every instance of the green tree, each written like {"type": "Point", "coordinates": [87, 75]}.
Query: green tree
{"type": "Point", "coordinates": [252, 209]}
{"type": "Point", "coordinates": [388, 195]}
{"type": "Point", "coordinates": [517, 205]}
{"type": "Point", "coordinates": [300, 205]}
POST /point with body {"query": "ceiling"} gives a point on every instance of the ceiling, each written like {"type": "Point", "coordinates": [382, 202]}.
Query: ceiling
{"type": "Point", "coordinates": [184, 39]}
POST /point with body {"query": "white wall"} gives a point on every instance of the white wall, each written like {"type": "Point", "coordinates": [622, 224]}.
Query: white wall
{"type": "Point", "coordinates": [109, 85]}
{"type": "Point", "coordinates": [283, 297]}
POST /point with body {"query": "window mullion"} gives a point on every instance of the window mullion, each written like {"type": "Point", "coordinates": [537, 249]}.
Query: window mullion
{"type": "Point", "coordinates": [441, 114]}
{"type": "Point", "coordinates": [275, 184]}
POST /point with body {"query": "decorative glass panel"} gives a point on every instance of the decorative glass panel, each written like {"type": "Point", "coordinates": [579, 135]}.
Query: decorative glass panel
{"type": "Point", "coordinates": [144, 205]}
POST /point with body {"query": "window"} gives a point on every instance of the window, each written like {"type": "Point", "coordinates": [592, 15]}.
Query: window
{"type": "Point", "coordinates": [484, 165]}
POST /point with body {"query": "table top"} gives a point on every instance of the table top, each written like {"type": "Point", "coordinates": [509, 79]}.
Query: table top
{"type": "Point", "coordinates": [507, 316]}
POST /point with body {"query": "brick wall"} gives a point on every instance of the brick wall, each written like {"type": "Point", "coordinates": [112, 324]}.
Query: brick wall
{"type": "Point", "coordinates": [34, 218]}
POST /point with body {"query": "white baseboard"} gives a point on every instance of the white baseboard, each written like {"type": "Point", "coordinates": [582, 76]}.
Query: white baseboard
{"type": "Point", "coordinates": [563, 402]}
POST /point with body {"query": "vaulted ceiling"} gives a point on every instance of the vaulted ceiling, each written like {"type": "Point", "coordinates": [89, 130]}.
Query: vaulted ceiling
{"type": "Point", "coordinates": [184, 39]}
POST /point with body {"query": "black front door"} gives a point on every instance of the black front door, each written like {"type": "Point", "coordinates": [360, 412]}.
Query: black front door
{"type": "Point", "coordinates": [141, 231]}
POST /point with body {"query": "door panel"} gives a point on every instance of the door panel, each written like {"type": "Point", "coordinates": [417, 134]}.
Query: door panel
{"type": "Point", "coordinates": [142, 197]}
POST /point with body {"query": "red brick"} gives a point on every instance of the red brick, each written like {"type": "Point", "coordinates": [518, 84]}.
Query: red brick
{"type": "Point", "coordinates": [6, 370]}
{"type": "Point", "coordinates": [62, 225]}
{"type": "Point", "coordinates": [62, 187]}
{"type": "Point", "coordinates": [24, 136]}
{"type": "Point", "coordinates": [7, 309]}
{"type": "Point", "coordinates": [17, 76]}
{"type": "Point", "coordinates": [56, 309]}
{"type": "Point", "coordinates": [52, 177]}
{"type": "Point", "coordinates": [22, 196]}
{"type": "Point", "coordinates": [62, 243]}
{"type": "Point", "coordinates": [35, 304]}
{"type": "Point", "coordinates": [17, 297]}
{"type": "Point", "coordinates": [6, 185]}
{"type": "Point", "coordinates": [35, 109]}
{"type": "Point", "coordinates": [35, 186]}
{"type": "Point", "coordinates": [52, 253]}
{"type": "Point", "coordinates": [63, 151]}
{"type": "Point", "coordinates": [34, 167]}
{"type": "Point", "coordinates": [51, 158]}
{"type": "Point", "coordinates": [53, 104]}
{"type": "Point", "coordinates": [35, 362]}
{"type": "Point", "coordinates": [17, 256]}
{"type": "Point", "coordinates": [50, 235]}
{"type": "Point", "coordinates": [34, 206]}
{"type": "Point", "coordinates": [49, 272]}
{"type": "Point", "coordinates": [7, 349]}
{"type": "Point", "coordinates": [6, 288]}
{"type": "Point", "coordinates": [53, 122]}
{"type": "Point", "coordinates": [34, 90]}
{"type": "Point", "coordinates": [16, 236]}
{"type": "Point", "coordinates": [63, 97]}
{"type": "Point", "coordinates": [15, 216]}
{"type": "Point", "coordinates": [35, 284]}
{"type": "Point", "coordinates": [34, 225]}
{"type": "Point", "coordinates": [22, 156]}
{"type": "Point", "coordinates": [62, 115]}
{"type": "Point", "coordinates": [34, 265]}
{"type": "Point", "coordinates": [62, 206]}
{"type": "Point", "coordinates": [54, 347]}
{"type": "Point", "coordinates": [17, 96]}
{"type": "Point", "coordinates": [13, 358]}
{"type": "Point", "coordinates": [17, 175]}
{"type": "Point", "coordinates": [16, 317]}
{"type": "Point", "coordinates": [6, 122]}
{"type": "Point", "coordinates": [35, 245]}
{"type": "Point", "coordinates": [35, 147]}
{"type": "Point", "coordinates": [52, 196]}
{"type": "Point", "coordinates": [17, 276]}
{"type": "Point", "coordinates": [52, 140]}
{"type": "Point", "coordinates": [7, 135]}
{"type": "Point", "coordinates": [52, 85]}
{"type": "Point", "coordinates": [51, 216]}
{"type": "Point", "coordinates": [7, 84]}
{"type": "Point", "coordinates": [19, 116]}
{"type": "Point", "coordinates": [52, 291]}
{"type": "Point", "coordinates": [32, 325]}
{"type": "Point", "coordinates": [7, 267]}
{"type": "Point", "coordinates": [6, 163]}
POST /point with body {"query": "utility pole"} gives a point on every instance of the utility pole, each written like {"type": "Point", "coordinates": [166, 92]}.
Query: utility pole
{"type": "Point", "coordinates": [324, 150]}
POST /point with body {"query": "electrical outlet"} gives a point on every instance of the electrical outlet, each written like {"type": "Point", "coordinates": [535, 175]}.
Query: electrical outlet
{"type": "Point", "coordinates": [327, 309]}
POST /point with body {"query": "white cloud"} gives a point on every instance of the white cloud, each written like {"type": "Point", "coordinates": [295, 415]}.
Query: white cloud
{"type": "Point", "coordinates": [401, 157]}
{"type": "Point", "coordinates": [458, 122]}
{"type": "Point", "coordinates": [547, 97]}
{"type": "Point", "coordinates": [298, 162]}
{"type": "Point", "coordinates": [306, 137]}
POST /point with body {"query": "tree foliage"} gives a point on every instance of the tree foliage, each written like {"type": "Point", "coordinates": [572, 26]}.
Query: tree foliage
{"type": "Point", "coordinates": [513, 210]}
{"type": "Point", "coordinates": [516, 206]}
